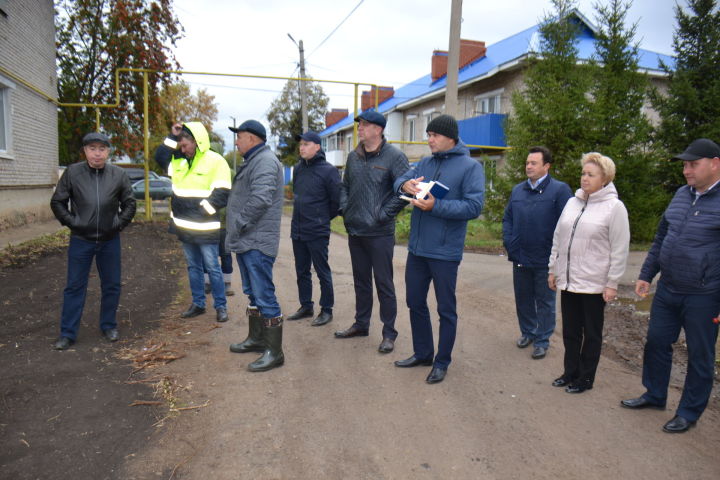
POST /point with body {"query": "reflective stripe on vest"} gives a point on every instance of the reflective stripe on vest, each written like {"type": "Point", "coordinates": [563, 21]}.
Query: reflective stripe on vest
{"type": "Point", "coordinates": [189, 192]}
{"type": "Point", "coordinates": [199, 226]}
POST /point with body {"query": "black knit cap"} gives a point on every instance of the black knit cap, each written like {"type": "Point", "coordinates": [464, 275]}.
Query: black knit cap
{"type": "Point", "coordinates": [444, 125]}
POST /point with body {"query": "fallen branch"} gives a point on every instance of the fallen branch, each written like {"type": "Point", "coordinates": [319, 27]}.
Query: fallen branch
{"type": "Point", "coordinates": [145, 402]}
{"type": "Point", "coordinates": [179, 409]}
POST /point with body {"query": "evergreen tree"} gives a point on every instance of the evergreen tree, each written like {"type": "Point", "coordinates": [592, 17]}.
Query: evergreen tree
{"type": "Point", "coordinates": [285, 116]}
{"type": "Point", "coordinates": [619, 127]}
{"type": "Point", "coordinates": [690, 108]}
{"type": "Point", "coordinates": [551, 110]}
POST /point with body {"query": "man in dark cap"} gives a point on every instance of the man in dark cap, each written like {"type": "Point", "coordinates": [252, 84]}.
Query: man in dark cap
{"type": "Point", "coordinates": [95, 200]}
{"type": "Point", "coordinates": [253, 232]}
{"type": "Point", "coordinates": [686, 253]}
{"type": "Point", "coordinates": [369, 205]}
{"type": "Point", "coordinates": [437, 239]}
{"type": "Point", "coordinates": [316, 196]}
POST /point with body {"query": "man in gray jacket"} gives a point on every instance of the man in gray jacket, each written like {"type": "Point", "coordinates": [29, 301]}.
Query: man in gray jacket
{"type": "Point", "coordinates": [369, 205]}
{"type": "Point", "coordinates": [253, 232]}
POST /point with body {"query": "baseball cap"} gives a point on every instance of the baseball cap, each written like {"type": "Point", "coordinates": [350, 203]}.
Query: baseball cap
{"type": "Point", "coordinates": [700, 148]}
{"type": "Point", "coordinates": [309, 136]}
{"type": "Point", "coordinates": [252, 126]}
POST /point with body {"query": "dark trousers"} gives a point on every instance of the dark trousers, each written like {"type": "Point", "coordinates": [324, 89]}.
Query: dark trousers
{"type": "Point", "coordinates": [669, 313]}
{"type": "Point", "coordinates": [313, 253]}
{"type": "Point", "coordinates": [107, 260]}
{"type": "Point", "coordinates": [226, 263]}
{"type": "Point", "coordinates": [534, 303]}
{"type": "Point", "coordinates": [583, 316]}
{"type": "Point", "coordinates": [419, 271]}
{"type": "Point", "coordinates": [372, 256]}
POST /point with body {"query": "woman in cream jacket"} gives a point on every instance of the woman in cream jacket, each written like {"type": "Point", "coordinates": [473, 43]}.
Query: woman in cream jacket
{"type": "Point", "coordinates": [589, 252]}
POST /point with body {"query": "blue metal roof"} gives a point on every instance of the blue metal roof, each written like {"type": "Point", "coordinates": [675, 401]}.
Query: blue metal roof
{"type": "Point", "coordinates": [501, 53]}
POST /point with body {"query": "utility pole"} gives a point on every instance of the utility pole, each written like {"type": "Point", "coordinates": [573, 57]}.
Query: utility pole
{"type": "Point", "coordinates": [451, 88]}
{"type": "Point", "coordinates": [303, 93]}
{"type": "Point", "coordinates": [234, 150]}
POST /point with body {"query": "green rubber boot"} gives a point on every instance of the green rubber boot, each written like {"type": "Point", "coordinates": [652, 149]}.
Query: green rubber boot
{"type": "Point", "coordinates": [273, 355]}
{"type": "Point", "coordinates": [254, 341]}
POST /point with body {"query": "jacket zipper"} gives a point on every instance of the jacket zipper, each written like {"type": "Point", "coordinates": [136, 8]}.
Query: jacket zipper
{"type": "Point", "coordinates": [572, 236]}
{"type": "Point", "coordinates": [97, 216]}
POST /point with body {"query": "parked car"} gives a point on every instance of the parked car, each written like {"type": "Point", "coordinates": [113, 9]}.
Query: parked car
{"type": "Point", "coordinates": [135, 174]}
{"type": "Point", "coordinates": [160, 188]}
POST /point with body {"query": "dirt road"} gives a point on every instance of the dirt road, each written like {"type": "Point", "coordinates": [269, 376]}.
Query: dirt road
{"type": "Point", "coordinates": [338, 409]}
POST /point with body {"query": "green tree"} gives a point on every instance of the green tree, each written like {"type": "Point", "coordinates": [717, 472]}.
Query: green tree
{"type": "Point", "coordinates": [690, 108]}
{"type": "Point", "coordinates": [285, 116]}
{"type": "Point", "coordinates": [551, 110]}
{"type": "Point", "coordinates": [95, 38]}
{"type": "Point", "coordinates": [619, 127]}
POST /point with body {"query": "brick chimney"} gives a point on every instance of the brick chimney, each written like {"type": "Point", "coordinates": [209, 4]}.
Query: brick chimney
{"type": "Point", "coordinates": [470, 50]}
{"type": "Point", "coordinates": [368, 98]}
{"type": "Point", "coordinates": [335, 116]}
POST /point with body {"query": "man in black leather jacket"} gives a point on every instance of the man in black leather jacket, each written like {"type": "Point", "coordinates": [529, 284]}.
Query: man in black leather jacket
{"type": "Point", "coordinates": [101, 204]}
{"type": "Point", "coordinates": [369, 204]}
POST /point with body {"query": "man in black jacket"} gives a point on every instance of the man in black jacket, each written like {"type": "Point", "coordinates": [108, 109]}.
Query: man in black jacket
{"type": "Point", "coordinates": [316, 191]}
{"type": "Point", "coordinates": [369, 205]}
{"type": "Point", "coordinates": [101, 205]}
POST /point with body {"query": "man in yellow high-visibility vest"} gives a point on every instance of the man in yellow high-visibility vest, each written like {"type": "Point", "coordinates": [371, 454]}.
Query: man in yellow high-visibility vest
{"type": "Point", "coordinates": [201, 185]}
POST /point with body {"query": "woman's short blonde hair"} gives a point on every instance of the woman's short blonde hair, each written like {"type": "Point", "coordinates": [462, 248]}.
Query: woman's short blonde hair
{"type": "Point", "coordinates": [605, 164]}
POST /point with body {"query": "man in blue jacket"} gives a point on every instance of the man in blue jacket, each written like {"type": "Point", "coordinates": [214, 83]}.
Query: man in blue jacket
{"type": "Point", "coordinates": [316, 193]}
{"type": "Point", "coordinates": [686, 253]}
{"type": "Point", "coordinates": [437, 240]}
{"type": "Point", "coordinates": [530, 217]}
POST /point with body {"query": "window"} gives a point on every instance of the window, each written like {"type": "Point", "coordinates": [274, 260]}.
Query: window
{"type": "Point", "coordinates": [411, 128]}
{"type": "Point", "coordinates": [348, 143]}
{"type": "Point", "coordinates": [5, 124]}
{"type": "Point", "coordinates": [332, 143]}
{"type": "Point", "coordinates": [324, 143]}
{"type": "Point", "coordinates": [428, 116]}
{"type": "Point", "coordinates": [488, 103]}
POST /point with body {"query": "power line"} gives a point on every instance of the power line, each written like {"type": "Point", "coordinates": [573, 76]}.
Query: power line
{"type": "Point", "coordinates": [335, 29]}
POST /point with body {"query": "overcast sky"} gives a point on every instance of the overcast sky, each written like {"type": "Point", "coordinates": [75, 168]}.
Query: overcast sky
{"type": "Point", "coordinates": [386, 42]}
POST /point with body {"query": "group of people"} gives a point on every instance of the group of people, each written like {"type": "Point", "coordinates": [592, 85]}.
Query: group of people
{"type": "Point", "coordinates": [577, 244]}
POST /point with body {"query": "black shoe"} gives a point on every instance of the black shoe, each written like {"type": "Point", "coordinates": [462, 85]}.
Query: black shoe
{"type": "Point", "coordinates": [387, 345]}
{"type": "Point", "coordinates": [578, 387]}
{"type": "Point", "coordinates": [112, 335]}
{"type": "Point", "coordinates": [221, 315]}
{"type": "Point", "coordinates": [303, 312]}
{"type": "Point", "coordinates": [351, 332]}
{"type": "Point", "coordinates": [322, 319]}
{"type": "Point", "coordinates": [437, 375]}
{"type": "Point", "coordinates": [192, 311]}
{"type": "Point", "coordinates": [63, 343]}
{"type": "Point", "coordinates": [413, 362]}
{"type": "Point", "coordinates": [538, 353]}
{"type": "Point", "coordinates": [640, 402]}
{"type": "Point", "coordinates": [523, 342]}
{"type": "Point", "coordinates": [561, 382]}
{"type": "Point", "coordinates": [678, 424]}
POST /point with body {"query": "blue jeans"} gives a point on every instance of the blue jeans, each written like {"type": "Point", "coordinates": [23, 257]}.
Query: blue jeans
{"type": "Point", "coordinates": [313, 253]}
{"type": "Point", "coordinates": [669, 313]}
{"type": "Point", "coordinates": [80, 256]}
{"type": "Point", "coordinates": [534, 303]}
{"type": "Point", "coordinates": [419, 271]}
{"type": "Point", "coordinates": [199, 256]}
{"type": "Point", "coordinates": [256, 274]}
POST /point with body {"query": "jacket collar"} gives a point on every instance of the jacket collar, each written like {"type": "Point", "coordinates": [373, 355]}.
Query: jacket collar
{"type": "Point", "coordinates": [459, 150]}
{"type": "Point", "coordinates": [360, 149]}
{"type": "Point", "coordinates": [542, 186]}
{"type": "Point", "coordinates": [319, 157]}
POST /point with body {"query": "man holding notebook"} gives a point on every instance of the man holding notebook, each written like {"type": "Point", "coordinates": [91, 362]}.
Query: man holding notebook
{"type": "Point", "coordinates": [437, 238]}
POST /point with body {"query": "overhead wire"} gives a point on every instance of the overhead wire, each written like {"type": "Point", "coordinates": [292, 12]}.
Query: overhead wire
{"type": "Point", "coordinates": [335, 29]}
